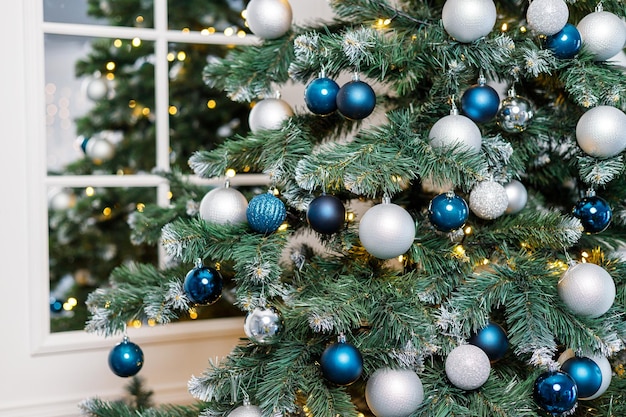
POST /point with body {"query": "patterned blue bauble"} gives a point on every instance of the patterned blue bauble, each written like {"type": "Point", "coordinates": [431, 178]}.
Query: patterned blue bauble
{"type": "Point", "coordinates": [341, 363]}
{"type": "Point", "coordinates": [566, 43]}
{"type": "Point", "coordinates": [586, 373]}
{"type": "Point", "coordinates": [326, 214]}
{"type": "Point", "coordinates": [266, 213]}
{"type": "Point", "coordinates": [126, 358]}
{"type": "Point", "coordinates": [320, 96]}
{"type": "Point", "coordinates": [480, 103]}
{"type": "Point", "coordinates": [492, 340]}
{"type": "Point", "coordinates": [594, 213]}
{"type": "Point", "coordinates": [203, 285]}
{"type": "Point", "coordinates": [356, 100]}
{"type": "Point", "coordinates": [448, 212]}
{"type": "Point", "coordinates": [555, 392]}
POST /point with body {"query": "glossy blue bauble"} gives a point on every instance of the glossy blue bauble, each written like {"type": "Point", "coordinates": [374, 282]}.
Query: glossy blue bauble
{"type": "Point", "coordinates": [203, 285]}
{"type": "Point", "coordinates": [492, 340]}
{"type": "Point", "coordinates": [448, 212]}
{"type": "Point", "coordinates": [341, 363]}
{"type": "Point", "coordinates": [356, 100]}
{"type": "Point", "coordinates": [480, 103]}
{"type": "Point", "coordinates": [326, 214]}
{"type": "Point", "coordinates": [125, 359]}
{"type": "Point", "coordinates": [555, 392]}
{"type": "Point", "coordinates": [566, 43]}
{"type": "Point", "coordinates": [265, 213]}
{"type": "Point", "coordinates": [320, 96]}
{"type": "Point", "coordinates": [56, 306]}
{"type": "Point", "coordinates": [594, 213]}
{"type": "Point", "coordinates": [586, 373]}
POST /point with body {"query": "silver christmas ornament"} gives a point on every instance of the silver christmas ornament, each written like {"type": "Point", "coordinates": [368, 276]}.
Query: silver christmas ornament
{"type": "Point", "coordinates": [468, 20]}
{"type": "Point", "coordinates": [263, 325]}
{"type": "Point", "coordinates": [394, 392]}
{"type": "Point", "coordinates": [269, 19]}
{"type": "Point", "coordinates": [97, 89]}
{"type": "Point", "coordinates": [467, 367]}
{"type": "Point", "coordinates": [603, 34]}
{"type": "Point", "coordinates": [488, 200]}
{"type": "Point", "coordinates": [269, 114]}
{"type": "Point", "coordinates": [601, 132]}
{"type": "Point", "coordinates": [99, 150]}
{"type": "Point", "coordinates": [246, 410]}
{"type": "Point", "coordinates": [61, 199]}
{"type": "Point", "coordinates": [547, 17]}
{"type": "Point", "coordinates": [224, 205]}
{"type": "Point", "coordinates": [455, 129]}
{"type": "Point", "coordinates": [607, 373]}
{"type": "Point", "coordinates": [515, 113]}
{"type": "Point", "coordinates": [587, 289]}
{"type": "Point", "coordinates": [386, 230]}
{"type": "Point", "coordinates": [517, 195]}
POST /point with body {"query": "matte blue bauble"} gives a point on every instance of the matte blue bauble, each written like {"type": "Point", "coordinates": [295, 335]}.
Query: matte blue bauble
{"type": "Point", "coordinates": [126, 358]}
{"type": "Point", "coordinates": [341, 363]}
{"type": "Point", "coordinates": [480, 103]}
{"type": "Point", "coordinates": [326, 214]}
{"type": "Point", "coordinates": [492, 340]}
{"type": "Point", "coordinates": [594, 213]}
{"type": "Point", "coordinates": [448, 212]}
{"type": "Point", "coordinates": [203, 285]}
{"type": "Point", "coordinates": [356, 100]}
{"type": "Point", "coordinates": [265, 213]}
{"type": "Point", "coordinates": [320, 96]}
{"type": "Point", "coordinates": [566, 43]}
{"type": "Point", "coordinates": [586, 373]}
{"type": "Point", "coordinates": [555, 392]}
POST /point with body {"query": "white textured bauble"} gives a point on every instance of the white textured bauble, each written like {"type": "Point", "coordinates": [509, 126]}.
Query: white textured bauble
{"type": "Point", "coordinates": [603, 34]}
{"type": "Point", "coordinates": [386, 230]}
{"type": "Point", "coordinates": [246, 411]}
{"type": "Point", "coordinates": [269, 114]}
{"type": "Point", "coordinates": [224, 205]}
{"type": "Point", "coordinates": [607, 374]}
{"type": "Point", "coordinates": [601, 132]}
{"type": "Point", "coordinates": [269, 19]}
{"type": "Point", "coordinates": [517, 195]}
{"type": "Point", "coordinates": [97, 89]}
{"type": "Point", "coordinates": [99, 150]}
{"type": "Point", "coordinates": [468, 367]}
{"type": "Point", "coordinates": [488, 200]}
{"type": "Point", "coordinates": [547, 17]}
{"type": "Point", "coordinates": [587, 289]}
{"type": "Point", "coordinates": [468, 20]}
{"type": "Point", "coordinates": [394, 392]}
{"type": "Point", "coordinates": [61, 199]}
{"type": "Point", "coordinates": [455, 129]}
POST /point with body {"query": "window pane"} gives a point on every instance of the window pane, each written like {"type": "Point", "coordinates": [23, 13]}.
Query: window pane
{"type": "Point", "coordinates": [212, 16]}
{"type": "Point", "coordinates": [138, 13]}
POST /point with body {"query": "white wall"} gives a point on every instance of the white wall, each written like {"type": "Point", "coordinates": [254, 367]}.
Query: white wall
{"type": "Point", "coordinates": [43, 375]}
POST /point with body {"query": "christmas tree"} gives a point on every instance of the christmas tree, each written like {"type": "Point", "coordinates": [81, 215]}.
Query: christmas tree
{"type": "Point", "coordinates": [459, 168]}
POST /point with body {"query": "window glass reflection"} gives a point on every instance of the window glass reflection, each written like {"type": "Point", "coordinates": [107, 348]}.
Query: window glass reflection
{"type": "Point", "coordinates": [138, 13]}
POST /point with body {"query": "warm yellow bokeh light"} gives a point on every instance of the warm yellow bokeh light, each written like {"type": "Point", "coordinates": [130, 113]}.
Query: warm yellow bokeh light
{"type": "Point", "coordinates": [72, 301]}
{"type": "Point", "coordinates": [136, 42]}
{"type": "Point", "coordinates": [110, 66]}
{"type": "Point", "coordinates": [283, 227]}
{"type": "Point", "coordinates": [140, 207]}
{"type": "Point", "coordinates": [136, 324]}
{"type": "Point", "coordinates": [145, 111]}
{"type": "Point", "coordinates": [132, 104]}
{"type": "Point", "coordinates": [172, 110]}
{"type": "Point", "coordinates": [139, 19]}
{"type": "Point", "coordinates": [90, 192]}
{"type": "Point", "coordinates": [181, 56]}
{"type": "Point", "coordinates": [170, 195]}
{"type": "Point", "coordinates": [117, 43]}
{"type": "Point", "coordinates": [211, 104]}
{"type": "Point", "coordinates": [230, 173]}
{"type": "Point", "coordinates": [193, 314]}
{"type": "Point", "coordinates": [171, 56]}
{"type": "Point", "coordinates": [107, 211]}
{"type": "Point", "coordinates": [229, 31]}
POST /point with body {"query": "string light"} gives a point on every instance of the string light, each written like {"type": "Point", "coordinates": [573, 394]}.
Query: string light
{"type": "Point", "coordinates": [117, 43]}
{"type": "Point", "coordinates": [90, 192]}
{"type": "Point", "coordinates": [107, 211]}
{"type": "Point", "coordinates": [283, 227]}
{"type": "Point", "coordinates": [230, 173]}
{"type": "Point", "coordinates": [193, 314]}
{"type": "Point", "coordinates": [136, 42]}
{"type": "Point", "coordinates": [211, 104]}
{"type": "Point", "coordinates": [505, 27]}
{"type": "Point", "coordinates": [140, 207]}
{"type": "Point", "coordinates": [229, 32]}
{"type": "Point", "coordinates": [139, 19]}
{"type": "Point", "coordinates": [172, 110]}
{"type": "Point", "coordinates": [181, 56]}
{"type": "Point", "coordinates": [110, 66]}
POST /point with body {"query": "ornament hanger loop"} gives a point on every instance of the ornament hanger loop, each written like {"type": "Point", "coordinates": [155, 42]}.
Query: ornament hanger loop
{"type": "Point", "coordinates": [591, 192]}
{"type": "Point", "coordinates": [453, 108]}
{"type": "Point", "coordinates": [355, 76]}
{"type": "Point", "coordinates": [198, 263]}
{"type": "Point", "coordinates": [599, 7]}
{"type": "Point", "coordinates": [341, 338]}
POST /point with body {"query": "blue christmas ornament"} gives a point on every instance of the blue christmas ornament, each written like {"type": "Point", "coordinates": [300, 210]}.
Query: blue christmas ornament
{"type": "Point", "coordinates": [320, 96]}
{"type": "Point", "coordinates": [566, 43]}
{"type": "Point", "coordinates": [492, 340]}
{"type": "Point", "coordinates": [356, 100]}
{"type": "Point", "coordinates": [265, 213]}
{"type": "Point", "coordinates": [341, 363]}
{"type": "Point", "coordinates": [586, 373]}
{"type": "Point", "coordinates": [126, 358]}
{"type": "Point", "coordinates": [203, 284]}
{"type": "Point", "coordinates": [326, 214]}
{"type": "Point", "coordinates": [594, 213]}
{"type": "Point", "coordinates": [448, 212]}
{"type": "Point", "coordinates": [480, 102]}
{"type": "Point", "coordinates": [555, 392]}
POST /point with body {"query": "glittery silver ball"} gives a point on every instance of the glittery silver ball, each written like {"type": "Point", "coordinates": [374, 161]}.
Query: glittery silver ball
{"type": "Point", "coordinates": [455, 129]}
{"type": "Point", "coordinates": [224, 205]}
{"type": "Point", "coordinates": [269, 19]}
{"type": "Point", "coordinates": [607, 374]}
{"type": "Point", "coordinates": [269, 114]}
{"type": "Point", "coordinates": [99, 150]}
{"type": "Point", "coordinates": [517, 195]}
{"type": "Point", "coordinates": [468, 20]}
{"type": "Point", "coordinates": [587, 289]}
{"type": "Point", "coordinates": [488, 200]}
{"type": "Point", "coordinates": [468, 367]}
{"type": "Point", "coordinates": [515, 114]}
{"type": "Point", "coordinates": [263, 325]}
{"type": "Point", "coordinates": [603, 34]}
{"type": "Point", "coordinates": [386, 230]}
{"type": "Point", "coordinates": [547, 17]}
{"type": "Point", "coordinates": [393, 392]}
{"type": "Point", "coordinates": [246, 411]}
{"type": "Point", "coordinates": [97, 89]}
{"type": "Point", "coordinates": [601, 132]}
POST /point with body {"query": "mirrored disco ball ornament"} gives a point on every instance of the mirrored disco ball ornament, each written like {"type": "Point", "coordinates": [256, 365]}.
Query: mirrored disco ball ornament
{"type": "Point", "coordinates": [455, 130]}
{"type": "Point", "coordinates": [594, 213]}
{"type": "Point", "coordinates": [488, 200]}
{"type": "Point", "coordinates": [386, 230]}
{"type": "Point", "coordinates": [269, 19]}
{"type": "Point", "coordinates": [603, 34]}
{"type": "Point", "coordinates": [341, 363]}
{"type": "Point", "coordinates": [393, 392]}
{"type": "Point", "coordinates": [601, 132]}
{"type": "Point", "coordinates": [515, 113]}
{"type": "Point", "coordinates": [320, 96]}
{"type": "Point", "coordinates": [468, 20]}
{"type": "Point", "coordinates": [269, 114]}
{"type": "Point", "coordinates": [203, 284]}
{"type": "Point", "coordinates": [126, 358]}
{"type": "Point", "coordinates": [467, 367]}
{"type": "Point", "coordinates": [224, 205]}
{"type": "Point", "coordinates": [586, 373]}
{"type": "Point", "coordinates": [263, 325]}
{"type": "Point", "coordinates": [587, 289]}
{"type": "Point", "coordinates": [566, 43]}
{"type": "Point", "coordinates": [547, 17]}
{"type": "Point", "coordinates": [555, 392]}
{"type": "Point", "coordinates": [265, 213]}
